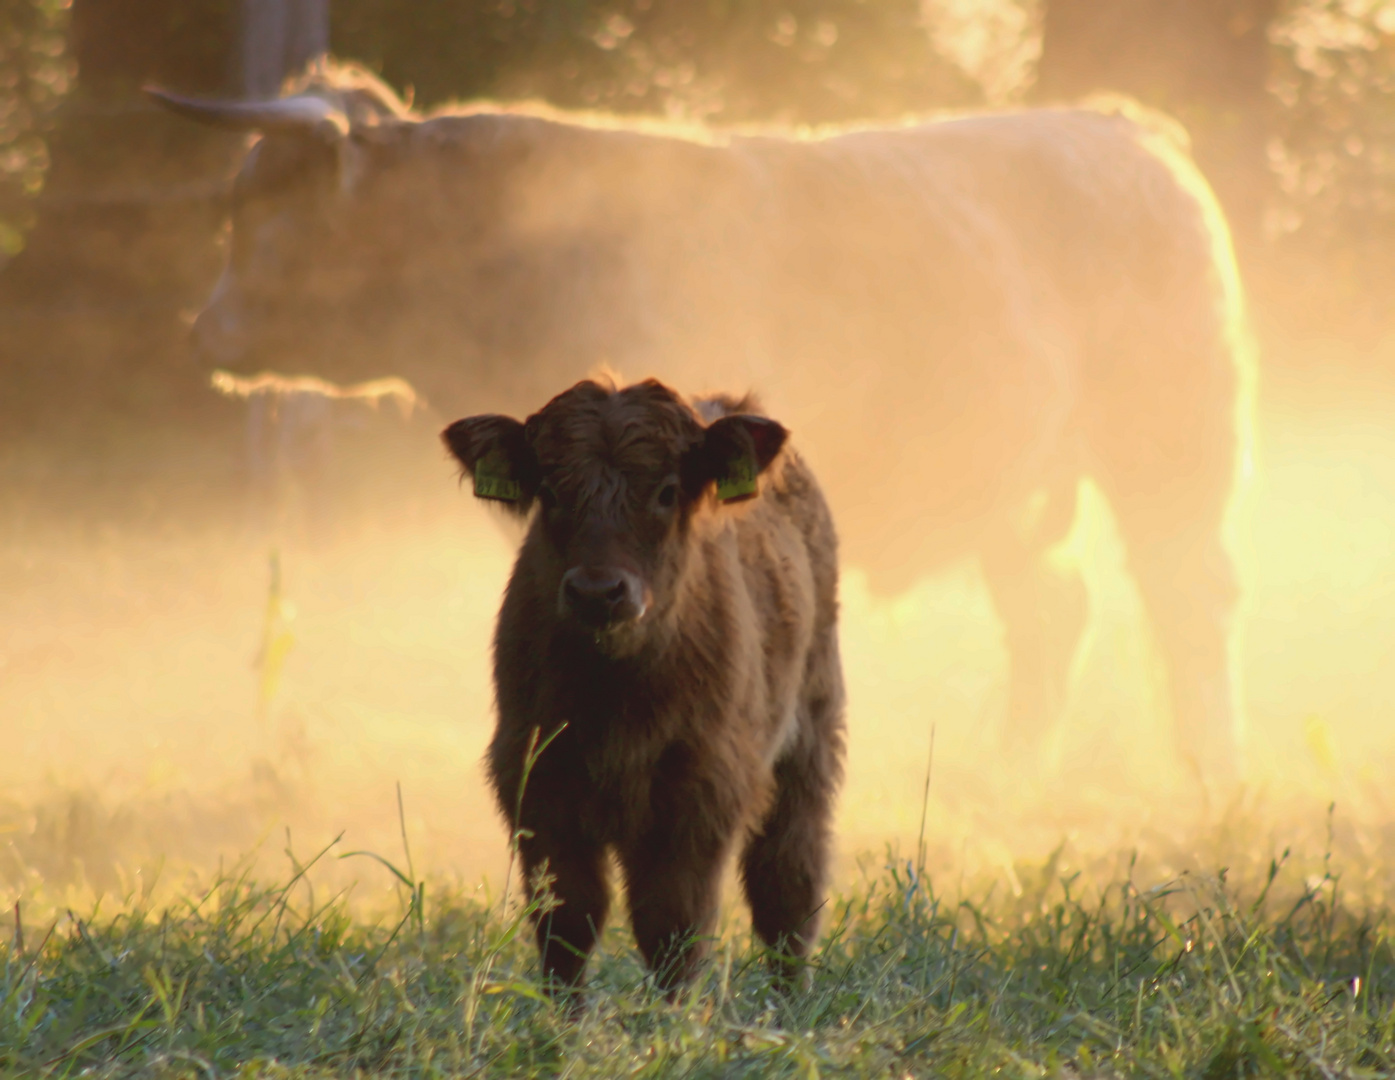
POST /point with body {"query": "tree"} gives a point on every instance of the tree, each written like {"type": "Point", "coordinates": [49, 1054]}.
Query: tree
{"type": "Point", "coordinates": [35, 74]}
{"type": "Point", "coordinates": [1334, 150]}
{"type": "Point", "coordinates": [278, 37]}
{"type": "Point", "coordinates": [803, 61]}
{"type": "Point", "coordinates": [131, 205]}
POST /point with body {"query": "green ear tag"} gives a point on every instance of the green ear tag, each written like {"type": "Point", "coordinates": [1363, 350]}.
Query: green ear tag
{"type": "Point", "coordinates": [740, 480]}
{"type": "Point", "coordinates": [494, 479]}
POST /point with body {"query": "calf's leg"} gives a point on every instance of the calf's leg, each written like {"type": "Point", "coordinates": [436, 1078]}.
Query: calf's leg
{"type": "Point", "coordinates": [784, 868]}
{"type": "Point", "coordinates": [673, 871]}
{"type": "Point", "coordinates": [575, 875]}
{"type": "Point", "coordinates": [673, 890]}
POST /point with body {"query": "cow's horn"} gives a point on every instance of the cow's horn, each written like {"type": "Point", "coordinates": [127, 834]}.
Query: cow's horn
{"type": "Point", "coordinates": [306, 113]}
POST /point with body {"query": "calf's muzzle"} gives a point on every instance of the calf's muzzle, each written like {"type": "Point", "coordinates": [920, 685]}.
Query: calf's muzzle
{"type": "Point", "coordinates": [601, 597]}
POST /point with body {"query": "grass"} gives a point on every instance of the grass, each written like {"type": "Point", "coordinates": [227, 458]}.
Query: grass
{"type": "Point", "coordinates": [1198, 977]}
{"type": "Point", "coordinates": [1119, 970]}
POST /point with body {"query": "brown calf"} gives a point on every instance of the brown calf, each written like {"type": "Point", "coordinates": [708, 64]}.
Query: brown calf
{"type": "Point", "coordinates": [690, 649]}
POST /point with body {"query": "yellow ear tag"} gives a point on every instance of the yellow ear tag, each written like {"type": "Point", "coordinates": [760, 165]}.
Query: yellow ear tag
{"type": "Point", "coordinates": [493, 479]}
{"type": "Point", "coordinates": [740, 480]}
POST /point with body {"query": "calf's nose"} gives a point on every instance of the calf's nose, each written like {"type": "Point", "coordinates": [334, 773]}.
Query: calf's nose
{"type": "Point", "coordinates": [602, 596]}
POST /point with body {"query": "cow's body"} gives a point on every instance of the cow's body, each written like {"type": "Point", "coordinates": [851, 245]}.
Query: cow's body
{"type": "Point", "coordinates": [704, 718]}
{"type": "Point", "coordinates": [962, 320]}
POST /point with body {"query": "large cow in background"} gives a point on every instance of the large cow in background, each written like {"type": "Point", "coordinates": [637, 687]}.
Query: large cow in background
{"type": "Point", "coordinates": [959, 319]}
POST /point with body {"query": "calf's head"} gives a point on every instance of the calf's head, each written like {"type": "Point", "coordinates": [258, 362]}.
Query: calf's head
{"type": "Point", "coordinates": [618, 478]}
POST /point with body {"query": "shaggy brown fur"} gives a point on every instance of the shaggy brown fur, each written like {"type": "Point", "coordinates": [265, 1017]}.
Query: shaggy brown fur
{"type": "Point", "coordinates": [687, 652]}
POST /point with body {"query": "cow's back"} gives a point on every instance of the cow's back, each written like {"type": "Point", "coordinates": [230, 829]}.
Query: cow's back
{"type": "Point", "coordinates": [942, 312]}
{"type": "Point", "coordinates": [959, 302]}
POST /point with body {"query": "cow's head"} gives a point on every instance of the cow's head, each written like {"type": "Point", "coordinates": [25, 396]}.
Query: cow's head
{"type": "Point", "coordinates": [311, 239]}
{"type": "Point", "coordinates": [619, 477]}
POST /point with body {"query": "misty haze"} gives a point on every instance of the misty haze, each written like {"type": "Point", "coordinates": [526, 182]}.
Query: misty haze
{"type": "Point", "coordinates": [1081, 318]}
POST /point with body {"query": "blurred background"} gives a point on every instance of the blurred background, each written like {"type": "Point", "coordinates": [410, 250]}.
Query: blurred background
{"type": "Point", "coordinates": [177, 686]}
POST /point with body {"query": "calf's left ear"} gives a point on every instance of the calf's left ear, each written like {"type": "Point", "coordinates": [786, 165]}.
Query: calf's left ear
{"type": "Point", "coordinates": [496, 454]}
{"type": "Point", "coordinates": [734, 451]}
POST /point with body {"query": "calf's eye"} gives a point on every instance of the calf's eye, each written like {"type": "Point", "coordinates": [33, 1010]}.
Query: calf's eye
{"type": "Point", "coordinates": [668, 495]}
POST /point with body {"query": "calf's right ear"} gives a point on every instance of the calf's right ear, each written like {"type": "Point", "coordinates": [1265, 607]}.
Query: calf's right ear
{"type": "Point", "coordinates": [496, 454]}
{"type": "Point", "coordinates": [735, 450]}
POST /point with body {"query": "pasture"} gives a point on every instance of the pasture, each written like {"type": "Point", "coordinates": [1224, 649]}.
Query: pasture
{"type": "Point", "coordinates": [245, 823]}
{"type": "Point", "coordinates": [166, 792]}
{"type": "Point", "coordinates": [1278, 975]}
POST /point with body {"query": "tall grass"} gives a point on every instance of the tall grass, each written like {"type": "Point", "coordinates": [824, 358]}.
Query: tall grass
{"type": "Point", "coordinates": [1198, 976]}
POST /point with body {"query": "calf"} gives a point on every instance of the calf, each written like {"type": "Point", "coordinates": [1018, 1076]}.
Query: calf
{"type": "Point", "coordinates": [683, 649]}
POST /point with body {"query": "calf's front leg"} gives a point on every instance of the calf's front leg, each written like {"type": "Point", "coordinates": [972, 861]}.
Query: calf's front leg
{"type": "Point", "coordinates": [673, 869]}
{"type": "Point", "coordinates": [673, 893]}
{"type": "Point", "coordinates": [574, 873]}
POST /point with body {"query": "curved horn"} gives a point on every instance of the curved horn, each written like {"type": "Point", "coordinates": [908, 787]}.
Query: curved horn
{"type": "Point", "coordinates": [307, 114]}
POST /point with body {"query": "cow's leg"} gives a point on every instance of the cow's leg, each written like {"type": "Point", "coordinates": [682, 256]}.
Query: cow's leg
{"type": "Point", "coordinates": [785, 865]}
{"type": "Point", "coordinates": [673, 872]}
{"type": "Point", "coordinates": [1043, 607]}
{"type": "Point", "coordinates": [314, 466]}
{"type": "Point", "coordinates": [673, 905]}
{"type": "Point", "coordinates": [1167, 461]}
{"type": "Point", "coordinates": [574, 873]}
{"type": "Point", "coordinates": [262, 443]}
{"type": "Point", "coordinates": [1190, 589]}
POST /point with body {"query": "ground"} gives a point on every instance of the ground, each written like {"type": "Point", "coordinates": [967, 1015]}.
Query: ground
{"type": "Point", "coordinates": [1200, 976]}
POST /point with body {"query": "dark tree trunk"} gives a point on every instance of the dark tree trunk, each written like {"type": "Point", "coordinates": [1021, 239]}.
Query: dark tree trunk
{"type": "Point", "coordinates": [131, 206]}
{"type": "Point", "coordinates": [119, 44]}
{"type": "Point", "coordinates": [129, 211]}
{"type": "Point", "coordinates": [134, 201]}
{"type": "Point", "coordinates": [1203, 61]}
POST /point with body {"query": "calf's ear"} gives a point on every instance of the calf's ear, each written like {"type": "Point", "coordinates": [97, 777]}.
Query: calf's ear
{"type": "Point", "coordinates": [494, 451]}
{"type": "Point", "coordinates": [734, 451]}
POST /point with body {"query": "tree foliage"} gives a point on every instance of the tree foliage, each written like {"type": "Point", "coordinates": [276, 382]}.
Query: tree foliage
{"type": "Point", "coordinates": [737, 60]}
{"type": "Point", "coordinates": [1327, 104]}
{"type": "Point", "coordinates": [35, 75]}
{"type": "Point", "coordinates": [1334, 151]}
